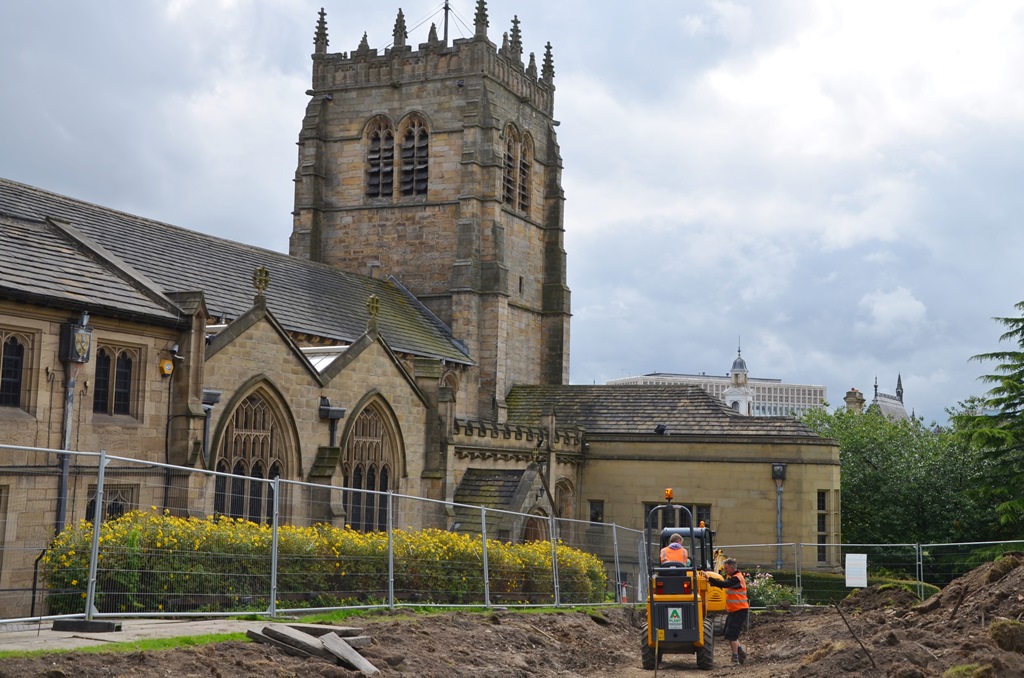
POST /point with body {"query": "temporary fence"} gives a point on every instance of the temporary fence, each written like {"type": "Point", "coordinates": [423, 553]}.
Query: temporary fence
{"type": "Point", "coordinates": [267, 546]}
{"type": "Point", "coordinates": [279, 555]}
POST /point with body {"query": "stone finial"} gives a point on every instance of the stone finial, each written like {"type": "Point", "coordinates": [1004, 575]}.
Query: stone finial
{"type": "Point", "coordinates": [260, 281]}
{"type": "Point", "coordinates": [320, 39]}
{"type": "Point", "coordinates": [531, 70]}
{"type": "Point", "coordinates": [547, 72]}
{"type": "Point", "coordinates": [364, 46]}
{"type": "Point", "coordinates": [373, 308]}
{"type": "Point", "coordinates": [504, 44]}
{"type": "Point", "coordinates": [432, 36]}
{"type": "Point", "coordinates": [480, 22]}
{"type": "Point", "coordinates": [400, 33]}
{"type": "Point", "coordinates": [516, 44]}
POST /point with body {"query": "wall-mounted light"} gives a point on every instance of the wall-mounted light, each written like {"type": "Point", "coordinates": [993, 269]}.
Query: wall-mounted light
{"type": "Point", "coordinates": [660, 429]}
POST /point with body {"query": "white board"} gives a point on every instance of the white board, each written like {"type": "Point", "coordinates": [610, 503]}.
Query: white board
{"type": "Point", "coordinates": [857, 570]}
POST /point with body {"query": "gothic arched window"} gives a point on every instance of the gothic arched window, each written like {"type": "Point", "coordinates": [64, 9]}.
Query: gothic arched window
{"type": "Point", "coordinates": [114, 391]}
{"type": "Point", "coordinates": [12, 369]}
{"type": "Point", "coordinates": [380, 159]}
{"type": "Point", "coordinates": [252, 444]}
{"type": "Point", "coordinates": [415, 156]}
{"type": "Point", "coordinates": [368, 466]}
{"type": "Point", "coordinates": [517, 165]}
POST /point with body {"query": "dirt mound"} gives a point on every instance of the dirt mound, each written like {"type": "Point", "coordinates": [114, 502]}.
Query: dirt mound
{"type": "Point", "coordinates": [887, 636]}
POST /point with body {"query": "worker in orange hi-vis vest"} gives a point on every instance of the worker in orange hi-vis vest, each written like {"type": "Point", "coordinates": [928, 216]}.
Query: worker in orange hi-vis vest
{"type": "Point", "coordinates": [675, 552]}
{"type": "Point", "coordinates": [736, 605]}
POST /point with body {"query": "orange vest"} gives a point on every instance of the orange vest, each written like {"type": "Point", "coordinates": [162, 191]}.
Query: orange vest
{"type": "Point", "coordinates": [736, 599]}
{"type": "Point", "coordinates": [674, 553]}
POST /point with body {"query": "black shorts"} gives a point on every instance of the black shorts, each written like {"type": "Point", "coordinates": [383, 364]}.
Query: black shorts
{"type": "Point", "coordinates": [734, 623]}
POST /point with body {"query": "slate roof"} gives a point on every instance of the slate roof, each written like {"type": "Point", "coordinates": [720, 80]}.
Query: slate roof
{"type": "Point", "coordinates": [306, 297]}
{"type": "Point", "coordinates": [40, 264]}
{"type": "Point", "coordinates": [889, 405]}
{"type": "Point", "coordinates": [490, 488]}
{"type": "Point", "coordinates": [683, 409]}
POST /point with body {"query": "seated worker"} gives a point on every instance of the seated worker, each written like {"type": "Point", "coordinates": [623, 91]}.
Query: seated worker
{"type": "Point", "coordinates": [675, 552]}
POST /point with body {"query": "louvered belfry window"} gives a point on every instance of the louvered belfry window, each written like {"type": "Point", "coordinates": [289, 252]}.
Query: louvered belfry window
{"type": "Point", "coordinates": [380, 160]}
{"type": "Point", "coordinates": [415, 156]}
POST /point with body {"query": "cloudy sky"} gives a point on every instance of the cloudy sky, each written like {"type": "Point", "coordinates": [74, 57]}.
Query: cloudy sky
{"type": "Point", "coordinates": [837, 184]}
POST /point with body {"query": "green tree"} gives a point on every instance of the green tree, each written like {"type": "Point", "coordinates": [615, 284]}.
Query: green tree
{"type": "Point", "coordinates": [995, 424]}
{"type": "Point", "coordinates": [902, 482]}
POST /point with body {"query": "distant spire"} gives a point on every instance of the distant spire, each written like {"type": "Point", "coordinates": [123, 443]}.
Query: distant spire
{"type": "Point", "coordinates": [547, 71]}
{"type": "Point", "coordinates": [899, 387]}
{"type": "Point", "coordinates": [480, 22]}
{"type": "Point", "coordinates": [876, 387]}
{"type": "Point", "coordinates": [320, 39]}
{"type": "Point", "coordinates": [531, 70]}
{"type": "Point", "coordinates": [364, 46]}
{"type": "Point", "coordinates": [517, 41]}
{"type": "Point", "coordinates": [399, 34]}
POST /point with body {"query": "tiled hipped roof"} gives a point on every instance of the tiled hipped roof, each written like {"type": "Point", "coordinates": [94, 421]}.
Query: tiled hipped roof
{"type": "Point", "coordinates": [634, 409]}
{"type": "Point", "coordinates": [306, 297]}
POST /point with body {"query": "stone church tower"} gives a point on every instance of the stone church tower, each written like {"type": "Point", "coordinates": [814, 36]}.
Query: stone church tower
{"type": "Point", "coordinates": [439, 166]}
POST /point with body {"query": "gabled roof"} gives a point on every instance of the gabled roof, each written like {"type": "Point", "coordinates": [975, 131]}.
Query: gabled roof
{"type": "Point", "coordinates": [683, 409]}
{"type": "Point", "coordinates": [306, 297]}
{"type": "Point", "coordinates": [41, 264]}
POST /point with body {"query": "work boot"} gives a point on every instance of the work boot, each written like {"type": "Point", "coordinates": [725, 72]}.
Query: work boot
{"type": "Point", "coordinates": [741, 655]}
{"type": "Point", "coordinates": [735, 659]}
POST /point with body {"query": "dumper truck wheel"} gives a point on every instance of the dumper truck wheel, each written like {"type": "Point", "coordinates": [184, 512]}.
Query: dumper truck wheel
{"type": "Point", "coordinates": [706, 654]}
{"type": "Point", "coordinates": [648, 659]}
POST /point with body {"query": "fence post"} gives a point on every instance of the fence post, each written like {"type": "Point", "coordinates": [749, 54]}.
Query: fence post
{"type": "Point", "coordinates": [619, 585]}
{"type": "Point", "coordinates": [94, 553]}
{"type": "Point", "coordinates": [274, 554]}
{"type": "Point", "coordinates": [487, 575]}
{"type": "Point", "coordinates": [798, 576]}
{"type": "Point", "coordinates": [920, 571]}
{"type": "Point", "coordinates": [554, 560]}
{"type": "Point", "coordinates": [391, 553]}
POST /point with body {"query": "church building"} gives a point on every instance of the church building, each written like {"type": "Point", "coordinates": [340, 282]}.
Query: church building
{"type": "Point", "coordinates": [415, 340]}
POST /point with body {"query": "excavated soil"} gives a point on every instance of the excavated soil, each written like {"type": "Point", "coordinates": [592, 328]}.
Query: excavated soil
{"type": "Point", "coordinates": [971, 628]}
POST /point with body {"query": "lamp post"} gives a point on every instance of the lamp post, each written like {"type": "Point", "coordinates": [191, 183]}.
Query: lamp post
{"type": "Point", "coordinates": [779, 476]}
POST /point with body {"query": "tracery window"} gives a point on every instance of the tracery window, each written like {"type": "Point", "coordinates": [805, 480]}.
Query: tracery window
{"type": "Point", "coordinates": [517, 164]}
{"type": "Point", "coordinates": [415, 156]}
{"type": "Point", "coordinates": [115, 390]}
{"type": "Point", "coordinates": [12, 368]}
{"type": "Point", "coordinates": [368, 466]}
{"type": "Point", "coordinates": [117, 500]}
{"type": "Point", "coordinates": [380, 160]}
{"type": "Point", "coordinates": [412, 163]}
{"type": "Point", "coordinates": [251, 454]}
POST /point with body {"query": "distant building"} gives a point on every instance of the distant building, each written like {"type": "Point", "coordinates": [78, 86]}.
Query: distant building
{"type": "Point", "coordinates": [752, 396]}
{"type": "Point", "coordinates": [890, 405]}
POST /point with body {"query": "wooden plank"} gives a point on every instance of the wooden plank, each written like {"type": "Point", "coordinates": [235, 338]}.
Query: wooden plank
{"type": "Point", "coordinates": [321, 629]}
{"type": "Point", "coordinates": [299, 640]}
{"type": "Point", "coordinates": [347, 656]}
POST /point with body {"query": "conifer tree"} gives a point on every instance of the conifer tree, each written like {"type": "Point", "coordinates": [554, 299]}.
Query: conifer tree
{"type": "Point", "coordinates": [997, 426]}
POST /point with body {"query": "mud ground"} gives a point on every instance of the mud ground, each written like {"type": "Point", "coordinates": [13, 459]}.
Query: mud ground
{"type": "Point", "coordinates": [971, 628]}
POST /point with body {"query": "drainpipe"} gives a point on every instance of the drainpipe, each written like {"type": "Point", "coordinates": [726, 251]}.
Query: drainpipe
{"type": "Point", "coordinates": [75, 348]}
{"type": "Point", "coordinates": [779, 476]}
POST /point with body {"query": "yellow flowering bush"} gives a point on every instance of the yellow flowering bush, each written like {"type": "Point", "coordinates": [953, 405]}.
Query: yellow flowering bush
{"type": "Point", "coordinates": [151, 562]}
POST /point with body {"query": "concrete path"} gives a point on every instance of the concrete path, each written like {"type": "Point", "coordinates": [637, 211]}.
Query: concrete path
{"type": "Point", "coordinates": [40, 636]}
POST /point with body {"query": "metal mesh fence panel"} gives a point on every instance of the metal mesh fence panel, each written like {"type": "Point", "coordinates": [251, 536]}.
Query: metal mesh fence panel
{"type": "Point", "coordinates": [37, 486]}
{"type": "Point", "coordinates": [942, 563]}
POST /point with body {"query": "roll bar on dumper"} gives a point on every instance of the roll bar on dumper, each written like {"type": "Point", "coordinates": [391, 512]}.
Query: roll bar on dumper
{"type": "Point", "coordinates": [681, 605]}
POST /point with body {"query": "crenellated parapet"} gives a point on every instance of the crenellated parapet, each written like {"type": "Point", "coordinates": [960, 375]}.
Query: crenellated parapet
{"type": "Point", "coordinates": [400, 65]}
{"type": "Point", "coordinates": [476, 439]}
